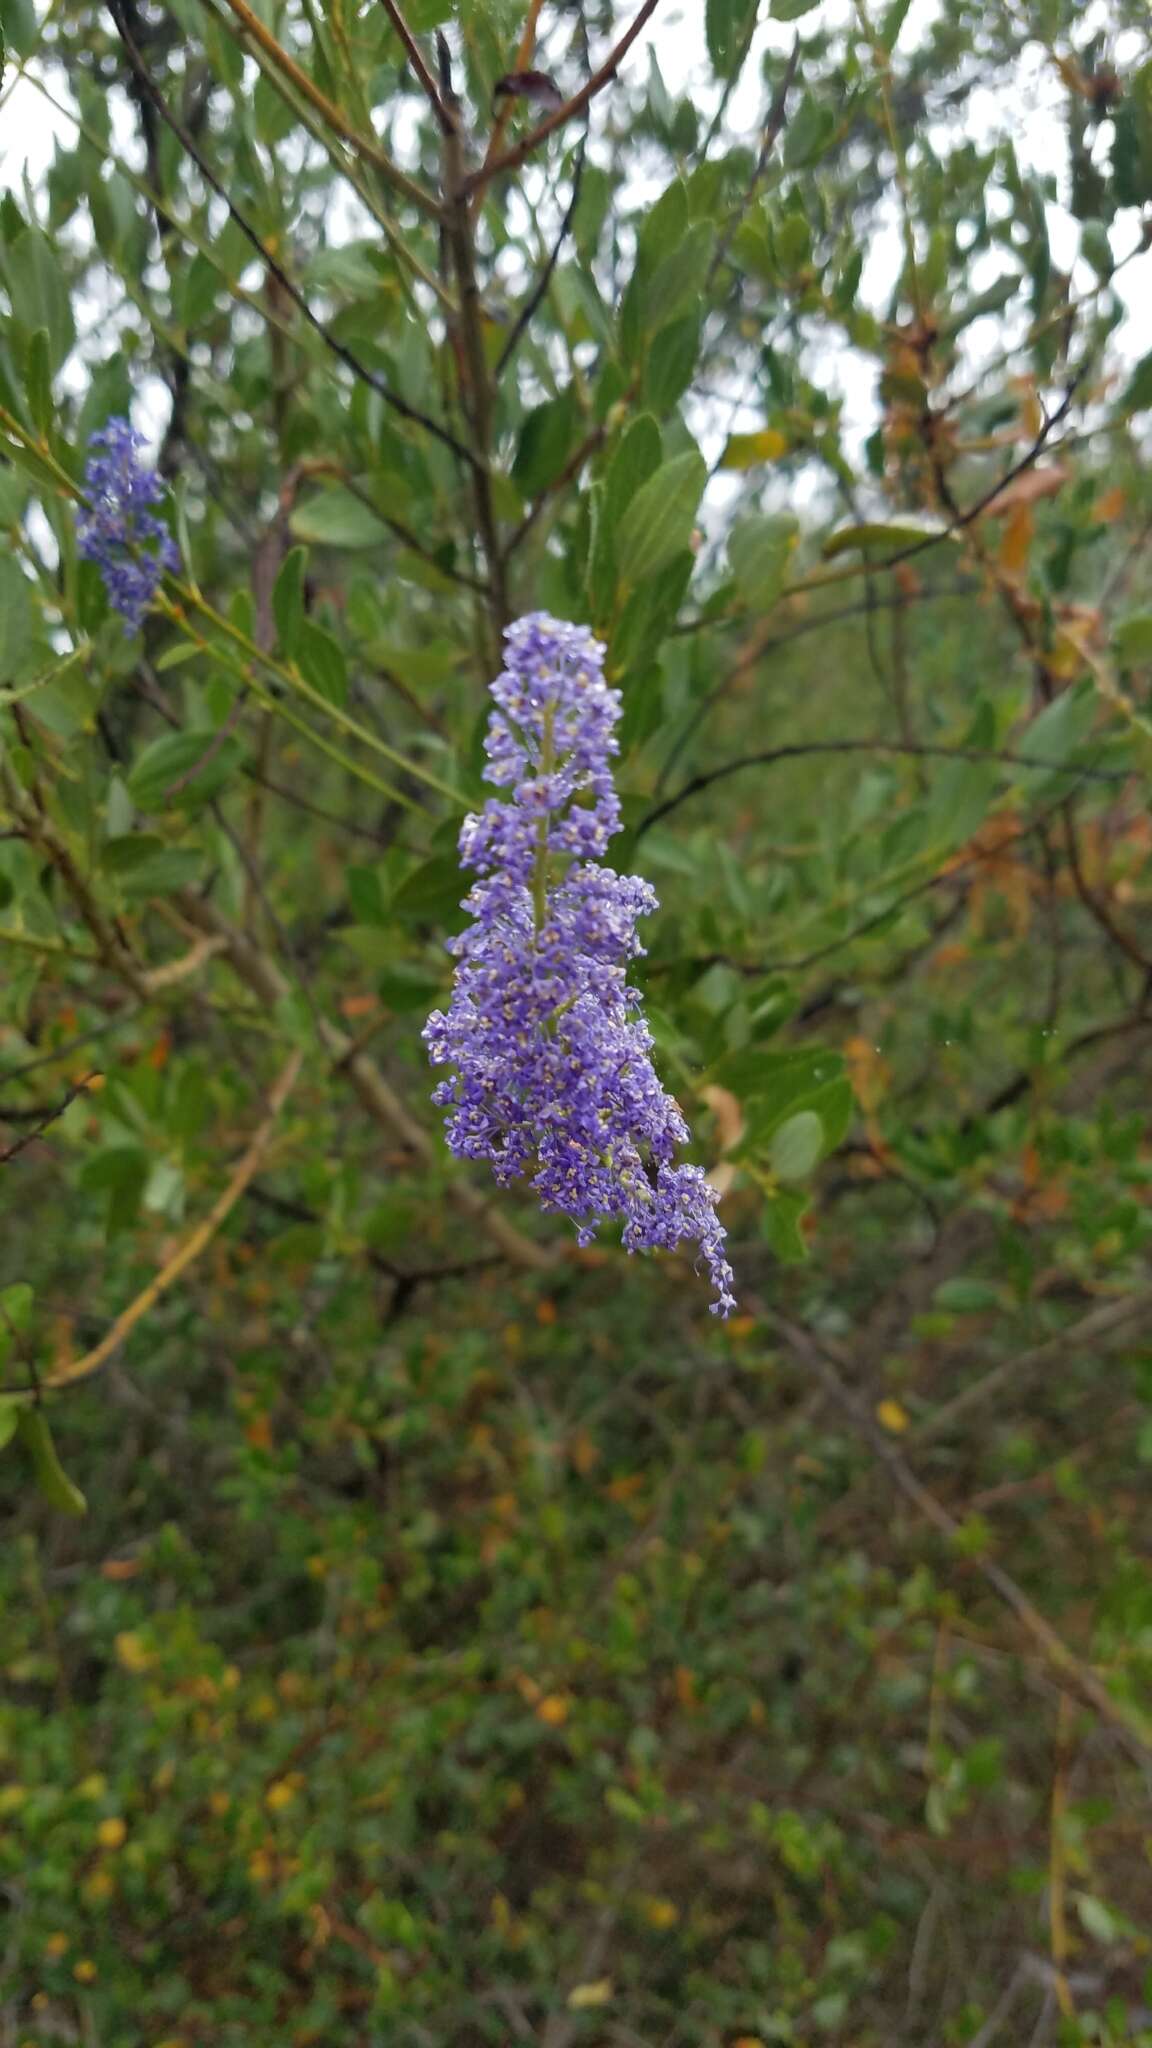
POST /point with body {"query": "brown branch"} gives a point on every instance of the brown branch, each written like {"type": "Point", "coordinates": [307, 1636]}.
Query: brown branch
{"type": "Point", "coordinates": [328, 110]}
{"type": "Point", "coordinates": [42, 1116]}
{"type": "Point", "coordinates": [535, 296]}
{"type": "Point", "coordinates": [572, 468]}
{"type": "Point", "coordinates": [1098, 911]}
{"type": "Point", "coordinates": [520, 62]}
{"type": "Point", "coordinates": [263, 976]}
{"type": "Point", "coordinates": [445, 119]}
{"type": "Point", "coordinates": [338, 348]}
{"type": "Point", "coordinates": [915, 749]}
{"type": "Point", "coordinates": [193, 1245]}
{"type": "Point", "coordinates": [513, 158]}
{"type": "Point", "coordinates": [475, 377]}
{"type": "Point", "coordinates": [40, 829]}
{"type": "Point", "coordinates": [824, 1359]}
{"type": "Point", "coordinates": [1101, 1322]}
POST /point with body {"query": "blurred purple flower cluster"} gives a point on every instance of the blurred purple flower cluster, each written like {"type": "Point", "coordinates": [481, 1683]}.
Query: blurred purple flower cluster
{"type": "Point", "coordinates": [118, 530]}
{"type": "Point", "coordinates": [551, 1057]}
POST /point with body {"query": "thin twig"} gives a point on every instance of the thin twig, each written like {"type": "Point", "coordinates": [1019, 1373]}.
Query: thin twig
{"type": "Point", "coordinates": [419, 64]}
{"type": "Point", "coordinates": [45, 1115]}
{"type": "Point", "coordinates": [915, 749]}
{"type": "Point", "coordinates": [606, 72]}
{"type": "Point", "coordinates": [338, 348]}
{"type": "Point", "coordinates": [773, 129]}
{"type": "Point", "coordinates": [330, 112]}
{"type": "Point", "coordinates": [824, 1359]}
{"type": "Point", "coordinates": [544, 280]}
{"type": "Point", "coordinates": [1099, 1323]}
{"type": "Point", "coordinates": [263, 976]}
{"type": "Point", "coordinates": [193, 1245]}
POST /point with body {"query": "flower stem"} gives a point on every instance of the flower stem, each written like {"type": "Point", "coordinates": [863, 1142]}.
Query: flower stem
{"type": "Point", "coordinates": [540, 876]}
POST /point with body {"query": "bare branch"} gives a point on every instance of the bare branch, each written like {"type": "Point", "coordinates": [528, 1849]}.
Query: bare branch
{"type": "Point", "coordinates": [914, 749]}
{"type": "Point", "coordinates": [544, 280]}
{"type": "Point", "coordinates": [513, 158]}
{"type": "Point", "coordinates": [252, 236]}
{"type": "Point", "coordinates": [1086, 1333]}
{"type": "Point", "coordinates": [43, 1115]}
{"type": "Point", "coordinates": [416, 58]}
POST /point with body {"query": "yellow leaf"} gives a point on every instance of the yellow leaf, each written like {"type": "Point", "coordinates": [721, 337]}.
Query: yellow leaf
{"type": "Point", "coordinates": [112, 1833]}
{"type": "Point", "coordinates": [553, 1710]}
{"type": "Point", "coordinates": [893, 1416]}
{"type": "Point", "coordinates": [661, 1913]}
{"type": "Point", "coordinates": [744, 451]}
{"type": "Point", "coordinates": [583, 1996]}
{"type": "Point", "coordinates": [132, 1651]}
{"type": "Point", "coordinates": [279, 1795]}
{"type": "Point", "coordinates": [1017, 540]}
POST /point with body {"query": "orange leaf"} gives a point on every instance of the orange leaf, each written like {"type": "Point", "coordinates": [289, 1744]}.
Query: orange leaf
{"type": "Point", "coordinates": [1027, 489]}
{"type": "Point", "coordinates": [553, 1710]}
{"type": "Point", "coordinates": [1017, 541]}
{"type": "Point", "coordinates": [686, 1688]}
{"type": "Point", "coordinates": [1110, 506]}
{"type": "Point", "coordinates": [868, 1072]}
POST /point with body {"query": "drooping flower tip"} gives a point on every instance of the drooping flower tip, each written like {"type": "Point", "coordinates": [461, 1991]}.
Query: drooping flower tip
{"type": "Point", "coordinates": [117, 529]}
{"type": "Point", "coordinates": [552, 1073]}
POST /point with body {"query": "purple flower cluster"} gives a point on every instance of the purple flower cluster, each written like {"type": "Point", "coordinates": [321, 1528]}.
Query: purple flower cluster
{"type": "Point", "coordinates": [117, 530]}
{"type": "Point", "coordinates": [552, 1063]}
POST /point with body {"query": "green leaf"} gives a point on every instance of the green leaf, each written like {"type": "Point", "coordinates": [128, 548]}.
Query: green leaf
{"type": "Point", "coordinates": [680, 279]}
{"type": "Point", "coordinates": [727, 26]}
{"type": "Point", "coordinates": [288, 599]}
{"type": "Point", "coordinates": [38, 380]}
{"type": "Point", "coordinates": [892, 21]}
{"type": "Point", "coordinates": [791, 10]}
{"type": "Point", "coordinates": [747, 451]}
{"type": "Point", "coordinates": [760, 549]}
{"type": "Point", "coordinates": [182, 768]}
{"type": "Point", "coordinates": [51, 1477]}
{"type": "Point", "coordinates": [322, 663]}
{"type": "Point", "coordinates": [637, 457]}
{"type": "Point", "coordinates": [993, 300]}
{"type": "Point", "coordinates": [337, 519]}
{"type": "Point", "coordinates": [1097, 1919]}
{"type": "Point", "coordinates": [796, 1146]}
{"type": "Point", "coordinates": [16, 1305]}
{"type": "Point", "coordinates": [1060, 727]}
{"type": "Point", "coordinates": [659, 521]}
{"type": "Point", "coordinates": [809, 131]}
{"type": "Point", "coordinates": [9, 1418]}
{"type": "Point", "coordinates": [38, 292]}
{"type": "Point", "coordinates": [432, 893]}
{"type": "Point", "coordinates": [1132, 638]}
{"type": "Point", "coordinates": [784, 1212]}
{"type": "Point", "coordinates": [966, 1297]}
{"type": "Point", "coordinates": [545, 441]}
{"type": "Point", "coordinates": [1138, 394]}
{"type": "Point", "coordinates": [883, 534]}
{"type": "Point", "coordinates": [17, 623]}
{"type": "Point", "coordinates": [672, 363]}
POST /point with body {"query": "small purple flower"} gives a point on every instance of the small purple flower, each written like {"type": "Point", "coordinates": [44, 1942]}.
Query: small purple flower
{"type": "Point", "coordinates": [551, 1058]}
{"type": "Point", "coordinates": [117, 530]}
